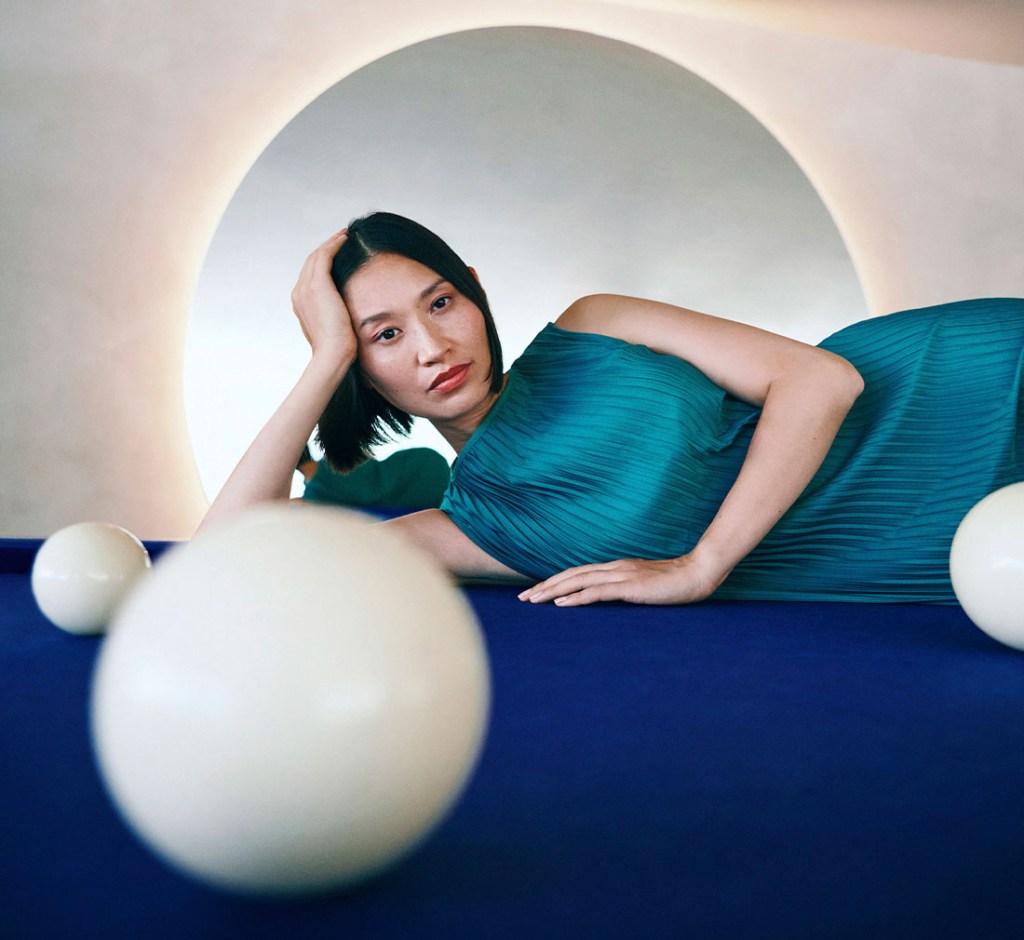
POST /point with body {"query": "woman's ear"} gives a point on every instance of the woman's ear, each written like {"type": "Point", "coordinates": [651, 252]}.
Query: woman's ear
{"type": "Point", "coordinates": [476, 277]}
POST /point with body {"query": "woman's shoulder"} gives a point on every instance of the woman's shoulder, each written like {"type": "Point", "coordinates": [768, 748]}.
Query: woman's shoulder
{"type": "Point", "coordinates": [590, 314]}
{"type": "Point", "coordinates": [563, 337]}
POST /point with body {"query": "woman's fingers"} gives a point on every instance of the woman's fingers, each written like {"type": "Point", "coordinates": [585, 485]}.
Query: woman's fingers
{"type": "Point", "coordinates": [574, 580]}
{"type": "Point", "coordinates": [318, 263]}
{"type": "Point", "coordinates": [317, 304]}
{"type": "Point", "coordinates": [324, 255]}
{"type": "Point", "coordinates": [639, 581]}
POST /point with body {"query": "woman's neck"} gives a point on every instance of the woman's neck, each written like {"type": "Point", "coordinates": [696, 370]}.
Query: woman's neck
{"type": "Point", "coordinates": [459, 430]}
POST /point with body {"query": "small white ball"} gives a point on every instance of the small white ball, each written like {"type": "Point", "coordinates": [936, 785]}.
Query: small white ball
{"type": "Point", "coordinates": [291, 703]}
{"type": "Point", "coordinates": [986, 564]}
{"type": "Point", "coordinates": [83, 572]}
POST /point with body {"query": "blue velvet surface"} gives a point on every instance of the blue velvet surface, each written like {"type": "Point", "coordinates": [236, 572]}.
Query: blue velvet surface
{"type": "Point", "coordinates": [724, 770]}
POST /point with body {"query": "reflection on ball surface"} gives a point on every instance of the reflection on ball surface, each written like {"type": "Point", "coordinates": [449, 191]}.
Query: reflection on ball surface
{"type": "Point", "coordinates": [82, 573]}
{"type": "Point", "coordinates": [291, 703]}
{"type": "Point", "coordinates": [986, 564]}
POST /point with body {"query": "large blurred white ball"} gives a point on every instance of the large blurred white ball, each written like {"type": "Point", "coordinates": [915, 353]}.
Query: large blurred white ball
{"type": "Point", "coordinates": [83, 572]}
{"type": "Point", "coordinates": [291, 703]}
{"type": "Point", "coordinates": [986, 564]}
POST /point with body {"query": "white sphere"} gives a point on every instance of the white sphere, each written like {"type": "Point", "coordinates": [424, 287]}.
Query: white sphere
{"type": "Point", "coordinates": [82, 573]}
{"type": "Point", "coordinates": [291, 703]}
{"type": "Point", "coordinates": [986, 564]}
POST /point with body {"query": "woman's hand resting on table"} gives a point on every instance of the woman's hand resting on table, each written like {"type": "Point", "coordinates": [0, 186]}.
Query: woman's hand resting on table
{"type": "Point", "coordinates": [637, 581]}
{"type": "Point", "coordinates": [319, 307]}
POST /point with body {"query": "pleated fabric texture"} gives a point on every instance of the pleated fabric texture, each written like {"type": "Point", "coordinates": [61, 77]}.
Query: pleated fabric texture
{"type": "Point", "coordinates": [598, 449]}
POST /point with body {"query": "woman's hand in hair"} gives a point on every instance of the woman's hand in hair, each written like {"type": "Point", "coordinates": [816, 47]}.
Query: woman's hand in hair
{"type": "Point", "coordinates": [635, 580]}
{"type": "Point", "coordinates": [319, 307]}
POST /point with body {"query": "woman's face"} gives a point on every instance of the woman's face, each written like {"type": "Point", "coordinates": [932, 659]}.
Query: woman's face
{"type": "Point", "coordinates": [422, 344]}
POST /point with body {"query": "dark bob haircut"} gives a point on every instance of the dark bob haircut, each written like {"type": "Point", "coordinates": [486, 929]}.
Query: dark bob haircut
{"type": "Point", "coordinates": [357, 416]}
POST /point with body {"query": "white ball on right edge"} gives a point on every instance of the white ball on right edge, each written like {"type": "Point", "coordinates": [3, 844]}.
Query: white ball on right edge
{"type": "Point", "coordinates": [986, 565]}
{"type": "Point", "coordinates": [291, 703]}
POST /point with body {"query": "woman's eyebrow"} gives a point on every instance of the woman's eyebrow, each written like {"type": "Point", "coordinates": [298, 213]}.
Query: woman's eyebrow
{"type": "Point", "coordinates": [374, 318]}
{"type": "Point", "coordinates": [433, 287]}
{"type": "Point", "coordinates": [426, 292]}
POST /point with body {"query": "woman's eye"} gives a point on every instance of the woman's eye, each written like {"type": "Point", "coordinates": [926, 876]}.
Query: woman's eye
{"type": "Point", "coordinates": [441, 303]}
{"type": "Point", "coordinates": [387, 335]}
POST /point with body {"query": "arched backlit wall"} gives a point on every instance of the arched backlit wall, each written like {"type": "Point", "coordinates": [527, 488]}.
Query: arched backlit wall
{"type": "Point", "coordinates": [127, 127]}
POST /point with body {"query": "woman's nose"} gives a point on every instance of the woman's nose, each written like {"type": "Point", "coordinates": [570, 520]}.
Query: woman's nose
{"type": "Point", "coordinates": [433, 344]}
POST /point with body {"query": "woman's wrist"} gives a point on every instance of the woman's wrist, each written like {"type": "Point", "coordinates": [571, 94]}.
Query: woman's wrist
{"type": "Point", "coordinates": [714, 567]}
{"type": "Point", "coordinates": [332, 362]}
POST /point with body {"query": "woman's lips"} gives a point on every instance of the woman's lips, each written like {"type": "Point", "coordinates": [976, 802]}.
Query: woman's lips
{"type": "Point", "coordinates": [450, 380]}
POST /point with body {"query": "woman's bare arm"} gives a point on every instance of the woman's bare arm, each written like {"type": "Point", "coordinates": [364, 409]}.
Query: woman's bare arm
{"type": "Point", "coordinates": [804, 393]}
{"type": "Point", "coordinates": [434, 532]}
{"type": "Point", "coordinates": [265, 472]}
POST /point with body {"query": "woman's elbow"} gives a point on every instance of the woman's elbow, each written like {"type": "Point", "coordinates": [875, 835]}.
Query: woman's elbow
{"type": "Point", "coordinates": [854, 381]}
{"type": "Point", "coordinates": [845, 380]}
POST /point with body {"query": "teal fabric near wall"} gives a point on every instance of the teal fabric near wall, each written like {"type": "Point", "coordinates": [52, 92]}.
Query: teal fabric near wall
{"type": "Point", "coordinates": [414, 478]}
{"type": "Point", "coordinates": [598, 449]}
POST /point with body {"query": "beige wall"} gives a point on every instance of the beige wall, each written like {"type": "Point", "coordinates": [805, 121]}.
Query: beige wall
{"type": "Point", "coordinates": [987, 30]}
{"type": "Point", "coordinates": [127, 126]}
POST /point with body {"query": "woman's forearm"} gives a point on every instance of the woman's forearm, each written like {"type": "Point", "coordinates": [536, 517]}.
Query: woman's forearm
{"type": "Point", "coordinates": [265, 471]}
{"type": "Point", "coordinates": [799, 420]}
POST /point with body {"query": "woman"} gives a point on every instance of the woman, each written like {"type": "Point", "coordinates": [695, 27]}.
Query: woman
{"type": "Point", "coordinates": [776, 477]}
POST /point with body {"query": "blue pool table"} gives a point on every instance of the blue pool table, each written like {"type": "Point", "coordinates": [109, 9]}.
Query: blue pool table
{"type": "Point", "coordinates": [726, 770]}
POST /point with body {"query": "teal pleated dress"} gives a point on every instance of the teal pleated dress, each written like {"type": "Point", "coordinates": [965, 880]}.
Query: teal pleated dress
{"type": "Point", "coordinates": [598, 449]}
